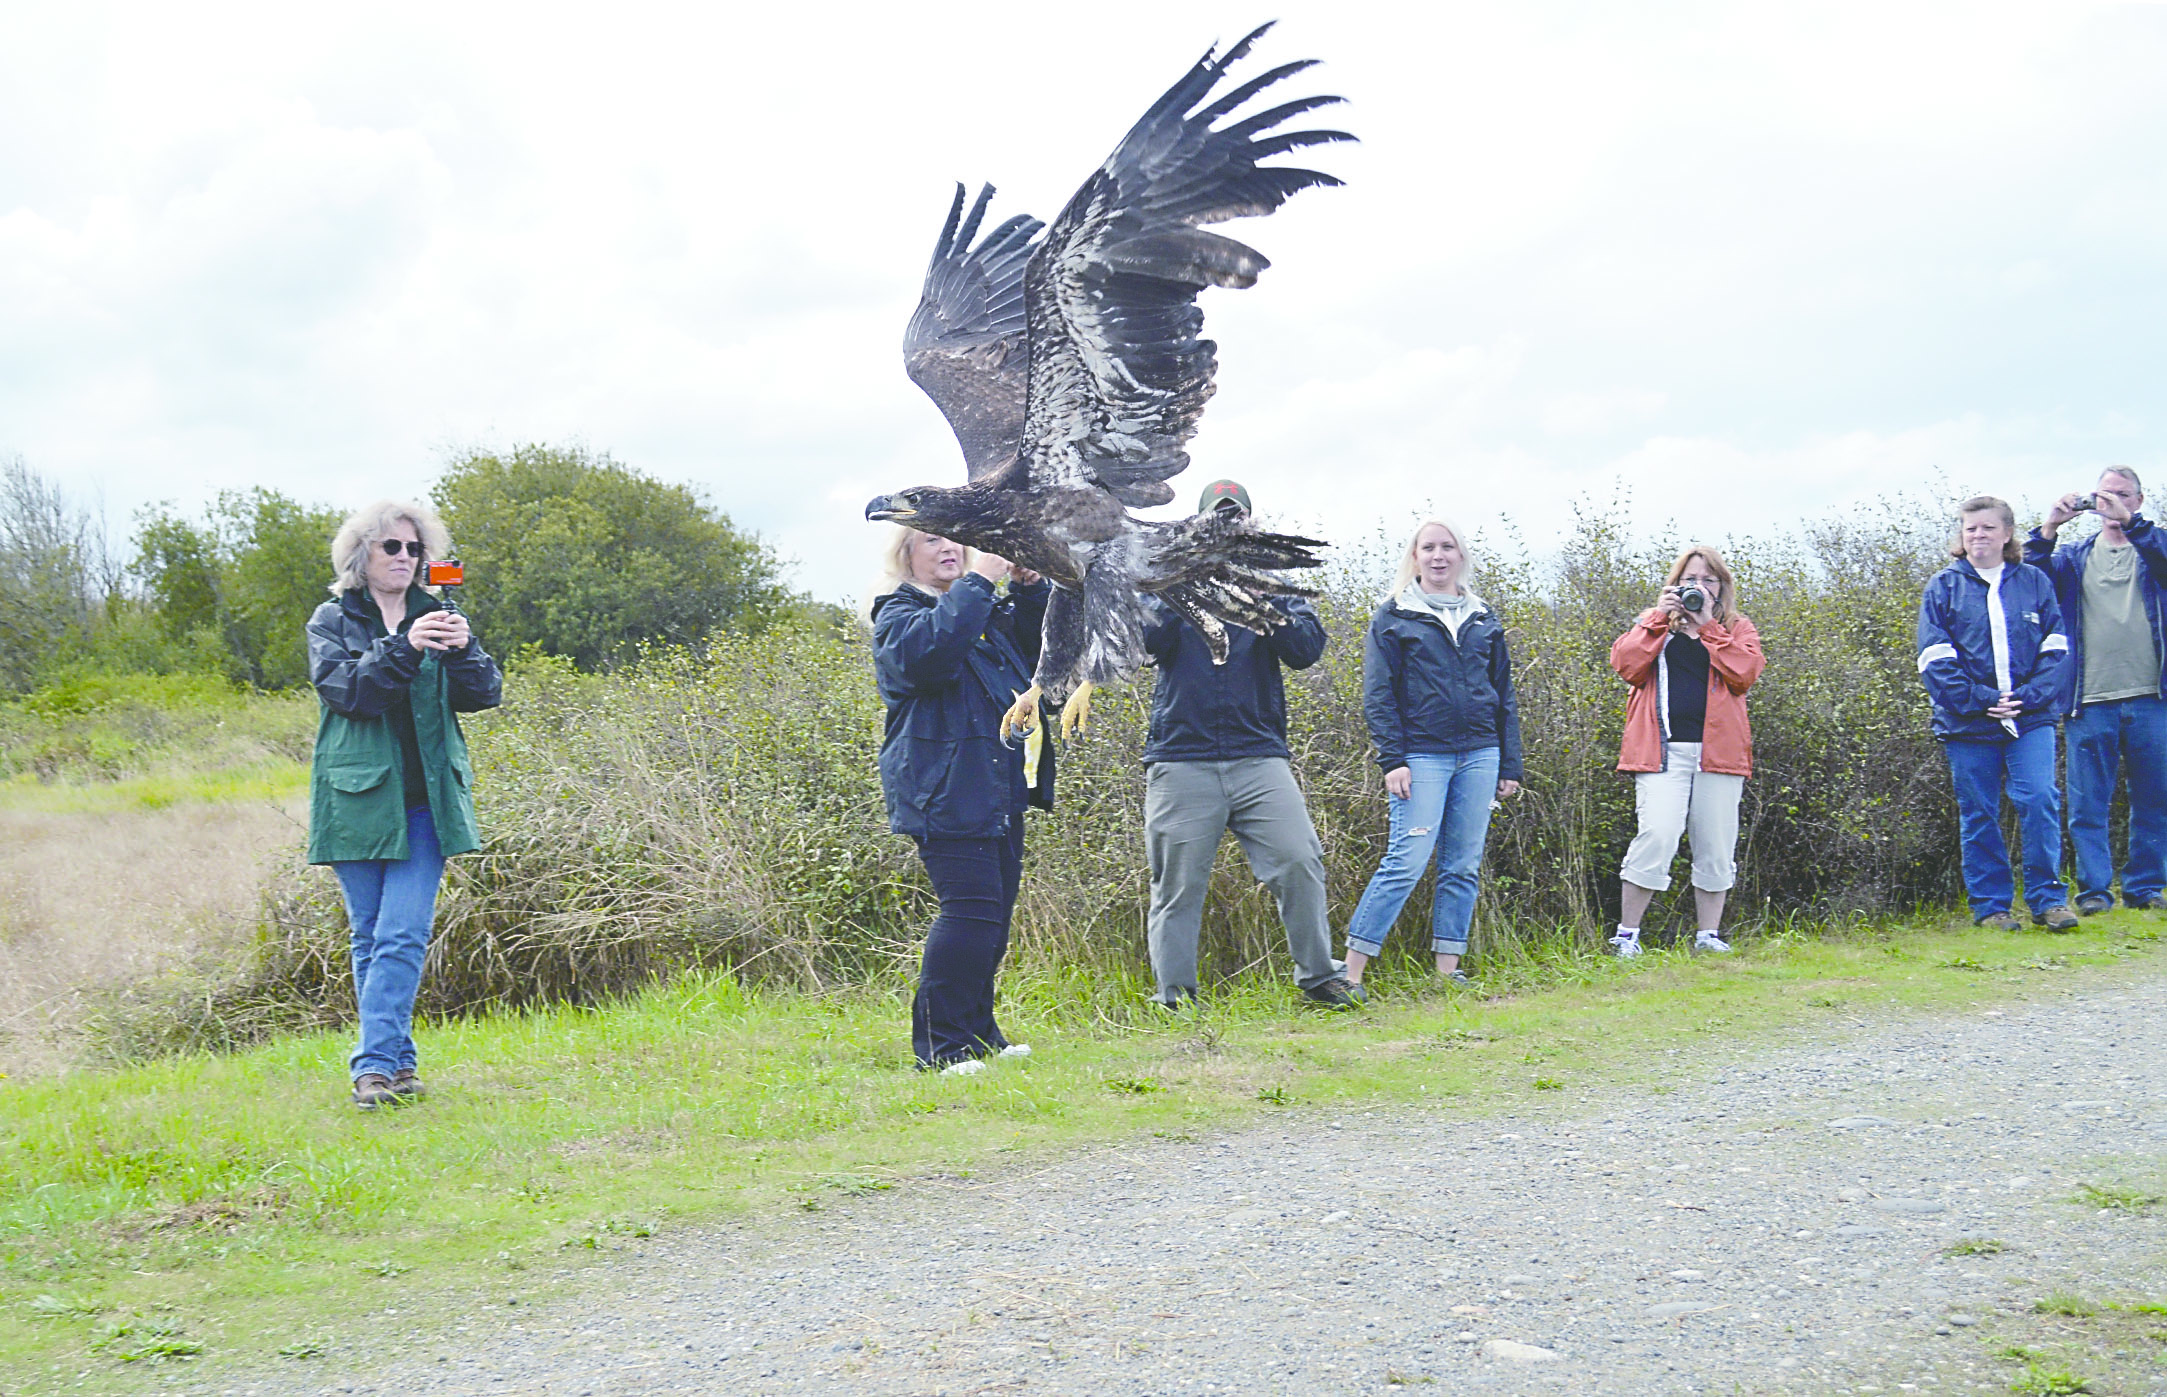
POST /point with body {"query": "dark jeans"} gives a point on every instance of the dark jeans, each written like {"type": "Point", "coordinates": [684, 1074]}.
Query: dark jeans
{"type": "Point", "coordinates": [2105, 740]}
{"type": "Point", "coordinates": [951, 1017]}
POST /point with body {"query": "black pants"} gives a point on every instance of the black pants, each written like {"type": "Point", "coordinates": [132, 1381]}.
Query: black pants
{"type": "Point", "coordinates": [952, 1016]}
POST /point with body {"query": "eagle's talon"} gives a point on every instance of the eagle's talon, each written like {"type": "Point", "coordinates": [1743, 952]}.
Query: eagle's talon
{"type": "Point", "coordinates": [1022, 715]}
{"type": "Point", "coordinates": [1077, 711]}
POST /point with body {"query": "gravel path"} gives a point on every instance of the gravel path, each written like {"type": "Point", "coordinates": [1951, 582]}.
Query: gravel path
{"type": "Point", "coordinates": [1774, 1224]}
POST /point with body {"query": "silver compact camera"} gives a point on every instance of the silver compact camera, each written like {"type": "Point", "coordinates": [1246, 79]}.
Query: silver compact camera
{"type": "Point", "coordinates": [2085, 502]}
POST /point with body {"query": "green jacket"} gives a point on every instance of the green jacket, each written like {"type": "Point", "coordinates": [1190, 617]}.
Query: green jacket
{"type": "Point", "coordinates": [357, 805]}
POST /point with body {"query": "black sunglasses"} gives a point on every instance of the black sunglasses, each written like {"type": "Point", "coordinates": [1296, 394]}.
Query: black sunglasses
{"type": "Point", "coordinates": [394, 546]}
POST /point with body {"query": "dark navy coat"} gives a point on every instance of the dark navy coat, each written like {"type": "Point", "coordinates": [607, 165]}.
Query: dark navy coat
{"type": "Point", "coordinates": [1956, 651]}
{"type": "Point", "coordinates": [1424, 692]}
{"type": "Point", "coordinates": [1205, 712]}
{"type": "Point", "coordinates": [2066, 567]}
{"type": "Point", "coordinates": [948, 667]}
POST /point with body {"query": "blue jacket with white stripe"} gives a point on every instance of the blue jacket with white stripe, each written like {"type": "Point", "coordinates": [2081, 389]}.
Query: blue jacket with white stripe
{"type": "Point", "coordinates": [2066, 567]}
{"type": "Point", "coordinates": [1956, 651]}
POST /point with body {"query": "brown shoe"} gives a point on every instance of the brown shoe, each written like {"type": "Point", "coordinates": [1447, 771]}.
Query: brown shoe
{"type": "Point", "coordinates": [373, 1089]}
{"type": "Point", "coordinates": [407, 1083]}
{"type": "Point", "coordinates": [2056, 918]}
{"type": "Point", "coordinates": [1999, 921]}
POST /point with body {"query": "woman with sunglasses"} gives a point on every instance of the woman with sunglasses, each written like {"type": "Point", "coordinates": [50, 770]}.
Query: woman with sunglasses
{"type": "Point", "coordinates": [390, 790]}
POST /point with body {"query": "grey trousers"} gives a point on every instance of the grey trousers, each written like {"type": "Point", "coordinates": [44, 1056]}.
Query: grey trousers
{"type": "Point", "coordinates": [1187, 807]}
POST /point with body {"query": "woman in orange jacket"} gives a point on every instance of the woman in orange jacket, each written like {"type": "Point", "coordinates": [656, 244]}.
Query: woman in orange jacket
{"type": "Point", "coordinates": [1690, 659]}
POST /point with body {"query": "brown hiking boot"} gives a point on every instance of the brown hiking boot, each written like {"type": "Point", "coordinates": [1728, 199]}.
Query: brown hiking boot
{"type": "Point", "coordinates": [407, 1083]}
{"type": "Point", "coordinates": [2056, 918]}
{"type": "Point", "coordinates": [1999, 921]}
{"type": "Point", "coordinates": [373, 1089]}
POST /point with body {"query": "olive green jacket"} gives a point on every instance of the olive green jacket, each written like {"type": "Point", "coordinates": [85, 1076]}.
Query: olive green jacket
{"type": "Point", "coordinates": [357, 801]}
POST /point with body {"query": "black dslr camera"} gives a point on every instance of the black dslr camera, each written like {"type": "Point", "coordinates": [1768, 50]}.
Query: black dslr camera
{"type": "Point", "coordinates": [1692, 598]}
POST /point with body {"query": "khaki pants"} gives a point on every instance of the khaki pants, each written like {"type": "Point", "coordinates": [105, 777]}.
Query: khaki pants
{"type": "Point", "coordinates": [1702, 805]}
{"type": "Point", "coordinates": [1187, 807]}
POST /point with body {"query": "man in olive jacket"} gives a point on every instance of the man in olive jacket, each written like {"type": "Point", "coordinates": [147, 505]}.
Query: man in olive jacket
{"type": "Point", "coordinates": [1217, 760]}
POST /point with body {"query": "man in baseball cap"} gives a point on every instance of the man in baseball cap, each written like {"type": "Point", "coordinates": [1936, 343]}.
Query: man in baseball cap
{"type": "Point", "coordinates": [1216, 761]}
{"type": "Point", "coordinates": [1223, 494]}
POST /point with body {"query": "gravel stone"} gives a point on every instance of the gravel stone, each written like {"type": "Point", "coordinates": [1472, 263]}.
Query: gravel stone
{"type": "Point", "coordinates": [1169, 1266]}
{"type": "Point", "coordinates": [1508, 1351]}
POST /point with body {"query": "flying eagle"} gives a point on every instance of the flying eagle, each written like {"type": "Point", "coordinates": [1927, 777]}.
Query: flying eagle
{"type": "Point", "coordinates": [1070, 369]}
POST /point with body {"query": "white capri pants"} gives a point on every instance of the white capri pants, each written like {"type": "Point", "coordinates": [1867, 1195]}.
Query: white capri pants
{"type": "Point", "coordinates": [1702, 805]}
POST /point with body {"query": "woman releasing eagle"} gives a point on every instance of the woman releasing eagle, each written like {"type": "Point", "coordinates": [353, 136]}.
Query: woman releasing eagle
{"type": "Point", "coordinates": [1071, 371]}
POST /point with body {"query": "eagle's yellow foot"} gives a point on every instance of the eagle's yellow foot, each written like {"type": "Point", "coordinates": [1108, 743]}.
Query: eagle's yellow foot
{"type": "Point", "coordinates": [1077, 711]}
{"type": "Point", "coordinates": [1022, 716]}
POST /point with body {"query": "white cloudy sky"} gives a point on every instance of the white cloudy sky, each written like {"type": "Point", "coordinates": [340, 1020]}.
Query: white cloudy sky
{"type": "Point", "coordinates": [1751, 260]}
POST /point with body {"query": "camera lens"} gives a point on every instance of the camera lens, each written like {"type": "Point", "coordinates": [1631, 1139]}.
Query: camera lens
{"type": "Point", "coordinates": [1692, 598]}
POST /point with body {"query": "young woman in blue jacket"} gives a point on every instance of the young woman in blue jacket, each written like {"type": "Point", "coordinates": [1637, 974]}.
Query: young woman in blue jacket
{"type": "Point", "coordinates": [1437, 692]}
{"type": "Point", "coordinates": [952, 650]}
{"type": "Point", "coordinates": [1995, 661]}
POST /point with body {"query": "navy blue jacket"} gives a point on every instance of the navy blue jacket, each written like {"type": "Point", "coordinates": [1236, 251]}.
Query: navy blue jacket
{"type": "Point", "coordinates": [1202, 712]}
{"type": "Point", "coordinates": [1426, 694]}
{"type": "Point", "coordinates": [2066, 567]}
{"type": "Point", "coordinates": [1956, 651]}
{"type": "Point", "coordinates": [948, 667]}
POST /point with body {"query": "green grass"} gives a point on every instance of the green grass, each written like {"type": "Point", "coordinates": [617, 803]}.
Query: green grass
{"type": "Point", "coordinates": [237, 1203]}
{"type": "Point", "coordinates": [270, 779]}
{"type": "Point", "coordinates": [2117, 1198]}
{"type": "Point", "coordinates": [2066, 1304]}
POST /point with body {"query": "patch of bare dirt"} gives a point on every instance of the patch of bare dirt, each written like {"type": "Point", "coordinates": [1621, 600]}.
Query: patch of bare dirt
{"type": "Point", "coordinates": [89, 902]}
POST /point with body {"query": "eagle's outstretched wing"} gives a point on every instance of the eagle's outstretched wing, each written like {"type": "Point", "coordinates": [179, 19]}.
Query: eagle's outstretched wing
{"type": "Point", "coordinates": [1118, 377]}
{"type": "Point", "coordinates": [964, 346]}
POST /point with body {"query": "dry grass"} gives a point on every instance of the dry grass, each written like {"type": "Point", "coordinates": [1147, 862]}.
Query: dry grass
{"type": "Point", "coordinates": [93, 902]}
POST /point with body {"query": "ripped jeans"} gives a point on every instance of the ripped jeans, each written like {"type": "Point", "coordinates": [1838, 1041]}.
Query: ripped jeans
{"type": "Point", "coordinates": [1447, 812]}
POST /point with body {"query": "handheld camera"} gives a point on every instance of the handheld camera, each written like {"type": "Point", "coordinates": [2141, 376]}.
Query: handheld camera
{"type": "Point", "coordinates": [1692, 599]}
{"type": "Point", "coordinates": [449, 574]}
{"type": "Point", "coordinates": [2085, 502]}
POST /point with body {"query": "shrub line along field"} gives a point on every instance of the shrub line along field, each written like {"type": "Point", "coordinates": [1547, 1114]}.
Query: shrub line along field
{"type": "Point", "coordinates": [226, 1202]}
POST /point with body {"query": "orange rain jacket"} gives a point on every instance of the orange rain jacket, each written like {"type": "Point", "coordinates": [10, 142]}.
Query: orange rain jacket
{"type": "Point", "coordinates": [1734, 662]}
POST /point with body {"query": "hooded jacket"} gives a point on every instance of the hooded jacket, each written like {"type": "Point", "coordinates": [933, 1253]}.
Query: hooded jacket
{"type": "Point", "coordinates": [357, 801]}
{"type": "Point", "coordinates": [1206, 712]}
{"type": "Point", "coordinates": [1735, 663]}
{"type": "Point", "coordinates": [1425, 692]}
{"type": "Point", "coordinates": [2066, 567]}
{"type": "Point", "coordinates": [949, 665]}
{"type": "Point", "coordinates": [1956, 651]}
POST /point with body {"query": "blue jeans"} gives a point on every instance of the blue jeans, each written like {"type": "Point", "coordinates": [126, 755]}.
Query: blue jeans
{"type": "Point", "coordinates": [2026, 767]}
{"type": "Point", "coordinates": [1447, 811]}
{"type": "Point", "coordinates": [390, 904]}
{"type": "Point", "coordinates": [2130, 735]}
{"type": "Point", "coordinates": [951, 1016]}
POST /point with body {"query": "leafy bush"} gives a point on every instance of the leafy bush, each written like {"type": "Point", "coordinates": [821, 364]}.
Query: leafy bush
{"type": "Point", "coordinates": [592, 560]}
{"type": "Point", "coordinates": [242, 581]}
{"type": "Point", "coordinates": [724, 809]}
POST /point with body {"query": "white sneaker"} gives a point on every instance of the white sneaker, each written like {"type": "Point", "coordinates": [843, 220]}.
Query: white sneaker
{"type": "Point", "coordinates": [1016, 1050]}
{"type": "Point", "coordinates": [1709, 941]}
{"type": "Point", "coordinates": [1628, 946]}
{"type": "Point", "coordinates": [969, 1067]}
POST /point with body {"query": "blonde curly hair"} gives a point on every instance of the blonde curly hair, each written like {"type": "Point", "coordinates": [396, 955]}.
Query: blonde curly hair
{"type": "Point", "coordinates": [370, 525]}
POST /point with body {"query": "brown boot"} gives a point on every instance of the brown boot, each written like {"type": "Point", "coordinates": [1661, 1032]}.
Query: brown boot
{"type": "Point", "coordinates": [407, 1083]}
{"type": "Point", "coordinates": [373, 1089]}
